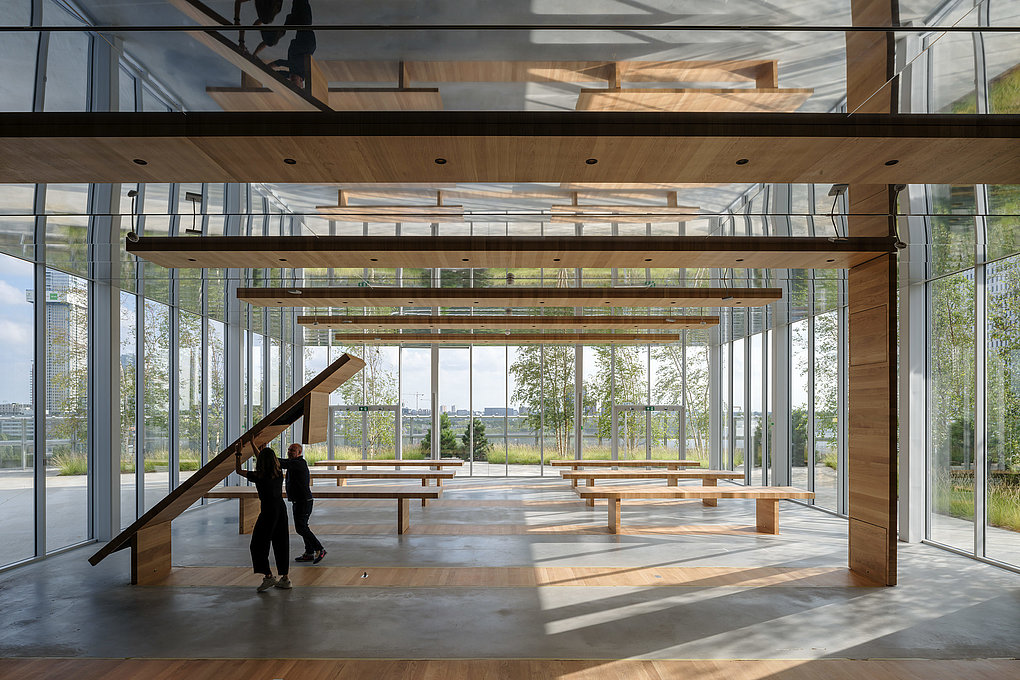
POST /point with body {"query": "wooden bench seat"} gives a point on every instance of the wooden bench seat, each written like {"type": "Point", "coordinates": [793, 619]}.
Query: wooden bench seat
{"type": "Point", "coordinates": [707, 477]}
{"type": "Point", "coordinates": [341, 476]}
{"type": "Point", "coordinates": [390, 462]}
{"type": "Point", "coordinates": [249, 500]}
{"type": "Point", "coordinates": [630, 463]}
{"type": "Point", "coordinates": [767, 499]}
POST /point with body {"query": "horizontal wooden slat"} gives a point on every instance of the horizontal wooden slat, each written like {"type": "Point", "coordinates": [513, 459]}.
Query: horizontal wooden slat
{"type": "Point", "coordinates": [392, 213]}
{"type": "Point", "coordinates": [503, 146]}
{"type": "Point", "coordinates": [469, 338]}
{"type": "Point", "coordinates": [450, 321]}
{"type": "Point", "coordinates": [339, 492]}
{"type": "Point", "coordinates": [377, 462]}
{"type": "Point", "coordinates": [509, 297]}
{"type": "Point", "coordinates": [651, 474]}
{"type": "Point", "coordinates": [459, 252]}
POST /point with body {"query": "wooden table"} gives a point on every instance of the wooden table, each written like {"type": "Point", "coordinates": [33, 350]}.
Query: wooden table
{"type": "Point", "coordinates": [341, 476]}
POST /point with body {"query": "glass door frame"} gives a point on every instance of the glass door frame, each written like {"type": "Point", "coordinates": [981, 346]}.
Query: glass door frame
{"type": "Point", "coordinates": [364, 410]}
{"type": "Point", "coordinates": [649, 409]}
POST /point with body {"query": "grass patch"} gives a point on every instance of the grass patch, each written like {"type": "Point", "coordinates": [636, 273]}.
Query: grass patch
{"type": "Point", "coordinates": [954, 496]}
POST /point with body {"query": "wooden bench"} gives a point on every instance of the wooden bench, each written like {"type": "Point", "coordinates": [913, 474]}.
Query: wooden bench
{"type": "Point", "coordinates": [341, 476]}
{"type": "Point", "coordinates": [391, 462]}
{"type": "Point", "coordinates": [249, 498]}
{"type": "Point", "coordinates": [708, 477]}
{"type": "Point", "coordinates": [578, 464]}
{"type": "Point", "coordinates": [767, 499]}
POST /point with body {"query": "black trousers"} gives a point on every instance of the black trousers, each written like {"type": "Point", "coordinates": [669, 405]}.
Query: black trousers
{"type": "Point", "coordinates": [271, 531]}
{"type": "Point", "coordinates": [302, 511]}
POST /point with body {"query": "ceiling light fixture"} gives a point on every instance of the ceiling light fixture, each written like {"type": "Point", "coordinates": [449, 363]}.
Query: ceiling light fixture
{"type": "Point", "coordinates": [139, 161]}
{"type": "Point", "coordinates": [290, 161]}
{"type": "Point", "coordinates": [743, 161]}
{"type": "Point", "coordinates": [591, 161]}
{"type": "Point", "coordinates": [892, 162]}
{"type": "Point", "coordinates": [440, 161]}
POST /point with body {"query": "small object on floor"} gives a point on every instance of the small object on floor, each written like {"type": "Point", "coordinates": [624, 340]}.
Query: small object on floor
{"type": "Point", "coordinates": [365, 575]}
{"type": "Point", "coordinates": [319, 554]}
{"type": "Point", "coordinates": [304, 557]}
{"type": "Point", "coordinates": [284, 583]}
{"type": "Point", "coordinates": [267, 583]}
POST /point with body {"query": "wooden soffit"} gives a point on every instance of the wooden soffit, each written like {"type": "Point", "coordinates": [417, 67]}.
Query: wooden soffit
{"type": "Point", "coordinates": [508, 297]}
{"type": "Point", "coordinates": [508, 338]}
{"type": "Point", "coordinates": [460, 252]}
{"type": "Point", "coordinates": [502, 146]}
{"type": "Point", "coordinates": [466, 322]}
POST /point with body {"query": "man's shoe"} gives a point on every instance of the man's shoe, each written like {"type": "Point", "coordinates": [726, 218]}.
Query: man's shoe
{"type": "Point", "coordinates": [305, 557]}
{"type": "Point", "coordinates": [267, 583]}
{"type": "Point", "coordinates": [319, 554]}
{"type": "Point", "coordinates": [284, 583]}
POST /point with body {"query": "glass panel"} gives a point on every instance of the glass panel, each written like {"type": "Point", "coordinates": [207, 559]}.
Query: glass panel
{"type": "Point", "coordinates": [17, 436]}
{"type": "Point", "coordinates": [951, 410]}
{"type": "Point", "coordinates": [67, 227]}
{"type": "Point", "coordinates": [1002, 535]}
{"type": "Point", "coordinates": [215, 386]}
{"type": "Point", "coordinates": [490, 391]}
{"type": "Point", "coordinates": [826, 409]}
{"type": "Point", "coordinates": [1002, 59]}
{"type": "Point", "coordinates": [757, 424]}
{"type": "Point", "coordinates": [189, 393]}
{"type": "Point", "coordinates": [256, 381]}
{"type": "Point", "coordinates": [67, 64]}
{"type": "Point", "coordinates": [347, 435]}
{"type": "Point", "coordinates": [952, 84]}
{"type": "Point", "coordinates": [128, 402]}
{"type": "Point", "coordinates": [455, 405]}
{"type": "Point", "coordinates": [416, 388]}
{"type": "Point", "coordinates": [156, 407]}
{"type": "Point", "coordinates": [17, 58]}
{"type": "Point", "coordinates": [67, 398]}
{"type": "Point", "coordinates": [739, 424]}
{"type": "Point", "coordinates": [1003, 220]}
{"type": "Point", "coordinates": [952, 238]}
{"type": "Point", "coordinates": [799, 395]}
{"type": "Point", "coordinates": [724, 406]}
{"type": "Point", "coordinates": [596, 406]}
{"type": "Point", "coordinates": [17, 225]}
{"type": "Point", "coordinates": [557, 401]}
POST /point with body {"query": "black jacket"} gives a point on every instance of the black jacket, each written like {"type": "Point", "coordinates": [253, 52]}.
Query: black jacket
{"type": "Point", "coordinates": [298, 479]}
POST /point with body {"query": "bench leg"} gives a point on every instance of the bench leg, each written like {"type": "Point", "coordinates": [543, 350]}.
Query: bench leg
{"type": "Point", "coordinates": [247, 514]}
{"type": "Point", "coordinates": [150, 554]}
{"type": "Point", "coordinates": [767, 516]}
{"type": "Point", "coordinates": [672, 481]}
{"type": "Point", "coordinates": [439, 481]}
{"type": "Point", "coordinates": [339, 480]}
{"type": "Point", "coordinates": [711, 502]}
{"type": "Point", "coordinates": [614, 515]}
{"type": "Point", "coordinates": [403, 515]}
{"type": "Point", "coordinates": [424, 501]}
{"type": "Point", "coordinates": [590, 502]}
{"type": "Point", "coordinates": [573, 482]}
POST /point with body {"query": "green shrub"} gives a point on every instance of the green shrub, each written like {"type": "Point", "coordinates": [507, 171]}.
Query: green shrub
{"type": "Point", "coordinates": [71, 463]}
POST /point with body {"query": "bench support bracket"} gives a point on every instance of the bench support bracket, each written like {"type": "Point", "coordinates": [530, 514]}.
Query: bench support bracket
{"type": "Point", "coordinates": [767, 516]}
{"type": "Point", "coordinates": [404, 514]}
{"type": "Point", "coordinates": [150, 554]}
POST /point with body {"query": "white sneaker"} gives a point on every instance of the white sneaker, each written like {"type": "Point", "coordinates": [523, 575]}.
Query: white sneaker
{"type": "Point", "coordinates": [284, 583]}
{"type": "Point", "coordinates": [267, 583]}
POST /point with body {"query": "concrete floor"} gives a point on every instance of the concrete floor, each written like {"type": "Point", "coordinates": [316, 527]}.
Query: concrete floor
{"type": "Point", "coordinates": [946, 607]}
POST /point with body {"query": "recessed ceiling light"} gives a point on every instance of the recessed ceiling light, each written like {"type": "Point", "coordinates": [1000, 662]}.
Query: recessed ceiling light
{"type": "Point", "coordinates": [290, 161]}
{"type": "Point", "coordinates": [830, 260]}
{"type": "Point", "coordinates": [139, 161]}
{"type": "Point", "coordinates": [591, 161]}
{"type": "Point", "coordinates": [283, 259]}
{"type": "Point", "coordinates": [648, 259]}
{"type": "Point", "coordinates": [463, 259]}
{"type": "Point", "coordinates": [191, 259]}
{"type": "Point", "coordinates": [279, 302]}
{"type": "Point", "coordinates": [556, 259]}
{"type": "Point", "coordinates": [740, 259]}
{"type": "Point", "coordinates": [440, 161]}
{"type": "Point", "coordinates": [892, 162]}
{"type": "Point", "coordinates": [743, 161]}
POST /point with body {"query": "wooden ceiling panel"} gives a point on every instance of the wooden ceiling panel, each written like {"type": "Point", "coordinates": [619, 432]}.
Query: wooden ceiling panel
{"type": "Point", "coordinates": [508, 338]}
{"type": "Point", "coordinates": [501, 146]}
{"type": "Point", "coordinates": [460, 252]}
{"type": "Point", "coordinates": [508, 297]}
{"type": "Point", "coordinates": [739, 100]}
{"type": "Point", "coordinates": [463, 322]}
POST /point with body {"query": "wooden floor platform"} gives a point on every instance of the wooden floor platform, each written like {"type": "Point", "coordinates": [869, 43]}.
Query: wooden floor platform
{"type": "Point", "coordinates": [509, 669]}
{"type": "Point", "coordinates": [528, 577]}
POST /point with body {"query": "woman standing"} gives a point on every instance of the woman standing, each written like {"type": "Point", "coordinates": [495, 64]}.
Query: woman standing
{"type": "Point", "coordinates": [271, 528]}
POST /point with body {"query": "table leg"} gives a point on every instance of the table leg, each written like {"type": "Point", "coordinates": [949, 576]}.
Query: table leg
{"type": "Point", "coordinates": [614, 515]}
{"type": "Point", "coordinates": [247, 514]}
{"type": "Point", "coordinates": [672, 481]}
{"type": "Point", "coordinates": [590, 502]}
{"type": "Point", "coordinates": [424, 501]}
{"type": "Point", "coordinates": [767, 516]}
{"type": "Point", "coordinates": [709, 501]}
{"type": "Point", "coordinates": [403, 515]}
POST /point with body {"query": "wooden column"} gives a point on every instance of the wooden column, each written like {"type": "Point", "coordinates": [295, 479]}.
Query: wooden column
{"type": "Point", "coordinates": [150, 554]}
{"type": "Point", "coordinates": [871, 291]}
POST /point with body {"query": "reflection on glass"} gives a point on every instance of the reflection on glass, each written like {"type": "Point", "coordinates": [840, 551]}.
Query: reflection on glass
{"type": "Point", "coordinates": [156, 406]}
{"type": "Point", "coordinates": [1002, 392]}
{"type": "Point", "coordinates": [189, 392]}
{"type": "Point", "coordinates": [128, 403]}
{"type": "Point", "coordinates": [17, 436]}
{"type": "Point", "coordinates": [67, 370]}
{"type": "Point", "coordinates": [799, 415]}
{"type": "Point", "coordinates": [951, 410]}
{"type": "Point", "coordinates": [826, 409]}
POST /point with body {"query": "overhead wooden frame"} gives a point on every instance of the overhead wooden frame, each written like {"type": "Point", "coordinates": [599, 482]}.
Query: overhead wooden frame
{"type": "Point", "coordinates": [389, 214]}
{"type": "Point", "coordinates": [471, 338]}
{"type": "Point", "coordinates": [149, 536]}
{"type": "Point", "coordinates": [479, 321]}
{"type": "Point", "coordinates": [506, 146]}
{"type": "Point", "coordinates": [741, 100]}
{"type": "Point", "coordinates": [509, 297]}
{"type": "Point", "coordinates": [460, 252]}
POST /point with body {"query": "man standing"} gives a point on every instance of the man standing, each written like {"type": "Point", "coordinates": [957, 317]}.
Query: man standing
{"type": "Point", "coordinates": [299, 492]}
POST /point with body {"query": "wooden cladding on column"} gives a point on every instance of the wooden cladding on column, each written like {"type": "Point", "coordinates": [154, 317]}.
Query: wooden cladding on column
{"type": "Point", "coordinates": [871, 455]}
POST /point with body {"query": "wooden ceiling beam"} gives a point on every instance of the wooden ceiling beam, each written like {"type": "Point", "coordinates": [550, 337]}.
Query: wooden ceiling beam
{"type": "Point", "coordinates": [508, 146]}
{"type": "Point", "coordinates": [479, 321]}
{"type": "Point", "coordinates": [508, 338]}
{"type": "Point", "coordinates": [462, 252]}
{"type": "Point", "coordinates": [508, 297]}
